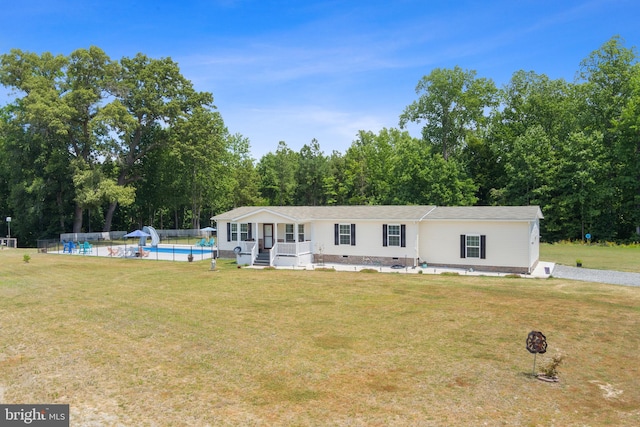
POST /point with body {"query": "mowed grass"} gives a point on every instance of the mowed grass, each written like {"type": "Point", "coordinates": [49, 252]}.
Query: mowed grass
{"type": "Point", "coordinates": [135, 342]}
{"type": "Point", "coordinates": [621, 258]}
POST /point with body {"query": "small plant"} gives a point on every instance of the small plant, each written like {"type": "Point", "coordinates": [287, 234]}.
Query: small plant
{"type": "Point", "coordinates": [26, 258]}
{"type": "Point", "coordinates": [579, 262]}
{"type": "Point", "coordinates": [551, 369]}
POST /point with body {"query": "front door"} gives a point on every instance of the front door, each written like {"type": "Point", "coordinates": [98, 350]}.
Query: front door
{"type": "Point", "coordinates": [267, 231]}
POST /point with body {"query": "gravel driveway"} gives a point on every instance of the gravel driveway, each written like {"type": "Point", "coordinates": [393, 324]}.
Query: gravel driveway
{"type": "Point", "coordinates": [600, 276]}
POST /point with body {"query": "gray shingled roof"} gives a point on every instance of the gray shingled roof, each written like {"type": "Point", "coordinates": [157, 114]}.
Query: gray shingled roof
{"type": "Point", "coordinates": [388, 212]}
{"type": "Point", "coordinates": [303, 213]}
{"type": "Point", "coordinates": [498, 213]}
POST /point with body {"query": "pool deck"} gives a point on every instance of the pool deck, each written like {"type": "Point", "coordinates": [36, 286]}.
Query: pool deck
{"type": "Point", "coordinates": [129, 252]}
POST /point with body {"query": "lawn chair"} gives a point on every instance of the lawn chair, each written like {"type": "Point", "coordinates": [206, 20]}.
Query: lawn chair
{"type": "Point", "coordinates": [114, 251]}
{"type": "Point", "coordinates": [142, 252]}
{"type": "Point", "coordinates": [86, 248]}
{"type": "Point", "coordinates": [71, 247]}
{"type": "Point", "coordinates": [202, 243]}
{"type": "Point", "coordinates": [211, 243]}
{"type": "Point", "coordinates": [131, 252]}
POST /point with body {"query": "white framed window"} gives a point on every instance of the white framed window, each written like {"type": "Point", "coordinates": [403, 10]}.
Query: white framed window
{"type": "Point", "coordinates": [345, 234]}
{"type": "Point", "coordinates": [473, 246]}
{"type": "Point", "coordinates": [241, 230]}
{"type": "Point", "coordinates": [234, 232]}
{"type": "Point", "coordinates": [244, 232]}
{"type": "Point", "coordinates": [289, 235]}
{"type": "Point", "coordinates": [300, 232]}
{"type": "Point", "coordinates": [393, 235]}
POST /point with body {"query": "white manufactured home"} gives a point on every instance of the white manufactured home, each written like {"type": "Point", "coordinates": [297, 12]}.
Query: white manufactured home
{"type": "Point", "coordinates": [485, 238]}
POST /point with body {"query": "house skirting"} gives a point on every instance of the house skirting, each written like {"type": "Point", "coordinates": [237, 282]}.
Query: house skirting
{"type": "Point", "coordinates": [227, 254]}
{"type": "Point", "coordinates": [487, 268]}
{"type": "Point", "coordinates": [387, 262]}
{"type": "Point", "coordinates": [408, 262]}
{"type": "Point", "coordinates": [362, 260]}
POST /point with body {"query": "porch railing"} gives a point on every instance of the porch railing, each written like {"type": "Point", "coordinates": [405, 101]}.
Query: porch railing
{"type": "Point", "coordinates": [248, 247]}
{"type": "Point", "coordinates": [254, 251]}
{"type": "Point", "coordinates": [272, 253]}
{"type": "Point", "coordinates": [294, 248]}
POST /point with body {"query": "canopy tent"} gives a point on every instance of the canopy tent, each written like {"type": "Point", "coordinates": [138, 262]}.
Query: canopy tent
{"type": "Point", "coordinates": [208, 230]}
{"type": "Point", "coordinates": [137, 233]}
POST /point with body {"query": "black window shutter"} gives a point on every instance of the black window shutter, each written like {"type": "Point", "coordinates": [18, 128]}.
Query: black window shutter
{"type": "Point", "coordinates": [483, 246]}
{"type": "Point", "coordinates": [228, 232]}
{"type": "Point", "coordinates": [353, 234]}
{"type": "Point", "coordinates": [384, 234]}
{"type": "Point", "coordinates": [463, 244]}
{"type": "Point", "coordinates": [403, 236]}
{"type": "Point", "coordinates": [249, 234]}
{"type": "Point", "coordinates": [336, 234]}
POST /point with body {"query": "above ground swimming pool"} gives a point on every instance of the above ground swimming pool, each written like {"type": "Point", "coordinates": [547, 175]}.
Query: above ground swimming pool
{"type": "Point", "coordinates": [185, 250]}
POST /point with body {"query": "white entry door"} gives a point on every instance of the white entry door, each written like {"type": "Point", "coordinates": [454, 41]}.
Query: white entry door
{"type": "Point", "coordinates": [267, 230]}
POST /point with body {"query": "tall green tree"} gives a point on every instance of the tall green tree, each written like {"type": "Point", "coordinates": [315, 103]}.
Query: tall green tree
{"type": "Point", "coordinates": [240, 175]}
{"type": "Point", "coordinates": [452, 104]}
{"type": "Point", "coordinates": [423, 177]}
{"type": "Point", "coordinates": [310, 175]}
{"type": "Point", "coordinates": [368, 163]}
{"type": "Point", "coordinates": [278, 173]}
{"type": "Point", "coordinates": [62, 100]}
{"type": "Point", "coordinates": [530, 169]}
{"type": "Point", "coordinates": [580, 189]}
{"type": "Point", "coordinates": [334, 185]}
{"type": "Point", "coordinates": [152, 95]}
{"type": "Point", "coordinates": [607, 85]}
{"type": "Point", "coordinates": [531, 99]}
{"type": "Point", "coordinates": [627, 151]}
{"type": "Point", "coordinates": [198, 147]}
{"type": "Point", "coordinates": [35, 181]}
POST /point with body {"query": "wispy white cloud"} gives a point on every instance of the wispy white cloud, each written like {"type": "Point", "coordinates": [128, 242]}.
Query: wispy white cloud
{"type": "Point", "coordinates": [297, 125]}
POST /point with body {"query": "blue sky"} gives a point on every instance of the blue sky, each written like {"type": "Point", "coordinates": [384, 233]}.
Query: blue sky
{"type": "Point", "coordinates": [297, 70]}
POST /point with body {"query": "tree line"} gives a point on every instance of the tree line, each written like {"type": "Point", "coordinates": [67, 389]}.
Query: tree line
{"type": "Point", "coordinates": [93, 144]}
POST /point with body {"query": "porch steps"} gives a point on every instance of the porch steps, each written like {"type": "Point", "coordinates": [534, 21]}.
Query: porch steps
{"type": "Point", "coordinates": [262, 259]}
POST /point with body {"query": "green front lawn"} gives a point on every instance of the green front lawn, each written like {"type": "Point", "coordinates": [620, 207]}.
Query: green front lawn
{"type": "Point", "coordinates": [621, 258]}
{"type": "Point", "coordinates": [130, 342]}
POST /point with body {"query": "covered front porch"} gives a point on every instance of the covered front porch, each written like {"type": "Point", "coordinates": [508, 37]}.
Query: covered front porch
{"type": "Point", "coordinates": [272, 244]}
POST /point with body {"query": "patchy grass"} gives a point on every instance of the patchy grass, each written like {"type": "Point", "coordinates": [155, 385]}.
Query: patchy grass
{"type": "Point", "coordinates": [160, 343]}
{"type": "Point", "coordinates": [612, 257]}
